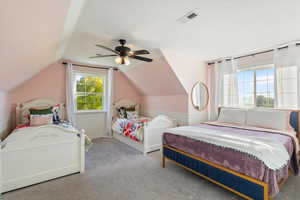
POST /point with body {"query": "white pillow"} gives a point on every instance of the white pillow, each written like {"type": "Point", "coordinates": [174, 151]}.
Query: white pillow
{"type": "Point", "coordinates": [273, 119]}
{"type": "Point", "coordinates": [232, 115]}
{"type": "Point", "coordinates": [132, 114]}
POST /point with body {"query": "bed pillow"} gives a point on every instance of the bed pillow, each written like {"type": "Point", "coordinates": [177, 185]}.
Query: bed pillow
{"type": "Point", "coordinates": [39, 120]}
{"type": "Point", "coordinates": [272, 119]}
{"type": "Point", "coordinates": [132, 114]}
{"type": "Point", "coordinates": [41, 110]}
{"type": "Point", "coordinates": [232, 115]}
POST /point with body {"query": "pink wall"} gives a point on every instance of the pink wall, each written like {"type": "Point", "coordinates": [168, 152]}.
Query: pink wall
{"type": "Point", "coordinates": [155, 79]}
{"type": "Point", "coordinates": [160, 88]}
{"type": "Point", "coordinates": [123, 88]}
{"type": "Point", "coordinates": [49, 83]}
{"type": "Point", "coordinates": [170, 103]}
{"type": "Point", "coordinates": [189, 70]}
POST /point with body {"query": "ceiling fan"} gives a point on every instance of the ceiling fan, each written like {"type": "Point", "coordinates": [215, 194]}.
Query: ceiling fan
{"type": "Point", "coordinates": [123, 53]}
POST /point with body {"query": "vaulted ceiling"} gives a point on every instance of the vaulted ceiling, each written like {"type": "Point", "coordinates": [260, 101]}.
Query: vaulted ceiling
{"type": "Point", "coordinates": [36, 33]}
{"type": "Point", "coordinates": [30, 33]}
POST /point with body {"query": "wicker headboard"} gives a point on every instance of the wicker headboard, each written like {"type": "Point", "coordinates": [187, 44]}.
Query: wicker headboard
{"type": "Point", "coordinates": [25, 106]}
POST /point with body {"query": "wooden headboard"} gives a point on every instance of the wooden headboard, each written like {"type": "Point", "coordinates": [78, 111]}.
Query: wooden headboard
{"type": "Point", "coordinates": [25, 106]}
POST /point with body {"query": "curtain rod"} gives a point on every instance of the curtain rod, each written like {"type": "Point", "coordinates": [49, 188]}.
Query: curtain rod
{"type": "Point", "coordinates": [87, 66]}
{"type": "Point", "coordinates": [253, 54]}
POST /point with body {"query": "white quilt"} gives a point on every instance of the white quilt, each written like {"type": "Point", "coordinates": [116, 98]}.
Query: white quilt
{"type": "Point", "coordinates": [28, 134]}
{"type": "Point", "coordinates": [272, 153]}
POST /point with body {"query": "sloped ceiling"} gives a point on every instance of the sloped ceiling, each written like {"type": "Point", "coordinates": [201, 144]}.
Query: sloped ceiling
{"type": "Point", "coordinates": [33, 32]}
{"type": "Point", "coordinates": [155, 79]}
{"type": "Point", "coordinates": [32, 37]}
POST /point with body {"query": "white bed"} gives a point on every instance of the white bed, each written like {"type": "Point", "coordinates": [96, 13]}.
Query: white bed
{"type": "Point", "coordinates": [36, 154]}
{"type": "Point", "coordinates": [152, 131]}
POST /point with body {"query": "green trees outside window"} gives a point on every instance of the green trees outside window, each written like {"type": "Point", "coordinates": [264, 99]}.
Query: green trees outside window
{"type": "Point", "coordinates": [89, 92]}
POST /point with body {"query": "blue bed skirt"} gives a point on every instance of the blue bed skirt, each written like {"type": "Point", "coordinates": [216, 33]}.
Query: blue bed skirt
{"type": "Point", "coordinates": [239, 184]}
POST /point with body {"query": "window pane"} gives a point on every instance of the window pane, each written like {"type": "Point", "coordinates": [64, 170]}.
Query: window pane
{"type": "Point", "coordinates": [94, 84]}
{"type": "Point", "coordinates": [80, 83]}
{"type": "Point", "coordinates": [99, 84]}
{"type": "Point", "coordinates": [99, 102]}
{"type": "Point", "coordinates": [90, 102]}
{"type": "Point", "coordinates": [261, 87]}
{"type": "Point", "coordinates": [94, 102]}
{"type": "Point", "coordinates": [81, 105]}
{"type": "Point", "coordinates": [246, 88]}
{"type": "Point", "coordinates": [264, 100]}
{"type": "Point", "coordinates": [89, 90]}
{"type": "Point", "coordinates": [265, 87]}
{"type": "Point", "coordinates": [261, 75]}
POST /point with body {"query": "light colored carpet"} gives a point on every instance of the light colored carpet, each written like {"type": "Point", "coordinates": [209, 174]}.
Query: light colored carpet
{"type": "Point", "coordinates": [115, 171]}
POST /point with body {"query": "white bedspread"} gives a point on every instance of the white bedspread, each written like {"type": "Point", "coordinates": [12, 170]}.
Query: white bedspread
{"type": "Point", "coordinates": [47, 132]}
{"type": "Point", "coordinates": [271, 152]}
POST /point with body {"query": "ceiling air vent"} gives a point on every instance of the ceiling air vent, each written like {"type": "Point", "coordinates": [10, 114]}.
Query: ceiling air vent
{"type": "Point", "coordinates": [187, 17]}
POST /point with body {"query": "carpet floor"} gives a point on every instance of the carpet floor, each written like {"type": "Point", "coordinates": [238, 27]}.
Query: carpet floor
{"type": "Point", "coordinates": [114, 171]}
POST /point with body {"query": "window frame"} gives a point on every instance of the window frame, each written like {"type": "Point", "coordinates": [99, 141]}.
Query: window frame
{"type": "Point", "coordinates": [254, 69]}
{"type": "Point", "coordinates": [104, 93]}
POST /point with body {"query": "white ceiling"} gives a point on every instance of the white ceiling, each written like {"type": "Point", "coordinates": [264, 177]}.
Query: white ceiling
{"type": "Point", "coordinates": [223, 28]}
{"type": "Point", "coordinates": [34, 33]}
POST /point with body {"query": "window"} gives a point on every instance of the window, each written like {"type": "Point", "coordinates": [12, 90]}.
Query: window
{"type": "Point", "coordinates": [89, 92]}
{"type": "Point", "coordinates": [256, 87]}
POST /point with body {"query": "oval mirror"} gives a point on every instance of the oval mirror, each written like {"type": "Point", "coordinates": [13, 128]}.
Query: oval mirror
{"type": "Point", "coordinates": [199, 96]}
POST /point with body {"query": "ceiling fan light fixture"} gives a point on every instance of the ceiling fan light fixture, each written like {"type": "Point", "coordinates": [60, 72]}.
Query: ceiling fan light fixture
{"type": "Point", "coordinates": [126, 60]}
{"type": "Point", "coordinates": [122, 60]}
{"type": "Point", "coordinates": [118, 60]}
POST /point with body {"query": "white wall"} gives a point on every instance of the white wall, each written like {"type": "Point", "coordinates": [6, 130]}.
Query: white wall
{"type": "Point", "coordinates": [94, 123]}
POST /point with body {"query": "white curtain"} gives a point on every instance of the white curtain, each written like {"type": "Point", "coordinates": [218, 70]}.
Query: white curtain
{"type": "Point", "coordinates": [287, 84]}
{"type": "Point", "coordinates": [223, 86]}
{"type": "Point", "coordinates": [212, 108]}
{"type": "Point", "coordinates": [230, 84]}
{"type": "Point", "coordinates": [226, 83]}
{"type": "Point", "coordinates": [109, 101]}
{"type": "Point", "coordinates": [71, 117]}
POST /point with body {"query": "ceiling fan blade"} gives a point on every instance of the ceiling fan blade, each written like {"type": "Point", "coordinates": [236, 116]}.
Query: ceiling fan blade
{"type": "Point", "coordinates": [95, 57]}
{"type": "Point", "coordinates": [140, 52]}
{"type": "Point", "coordinates": [102, 56]}
{"type": "Point", "coordinates": [109, 49]}
{"type": "Point", "coordinates": [106, 55]}
{"type": "Point", "coordinates": [141, 58]}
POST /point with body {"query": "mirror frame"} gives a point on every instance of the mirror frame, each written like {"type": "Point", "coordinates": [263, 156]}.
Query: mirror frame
{"type": "Point", "coordinates": [206, 103]}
